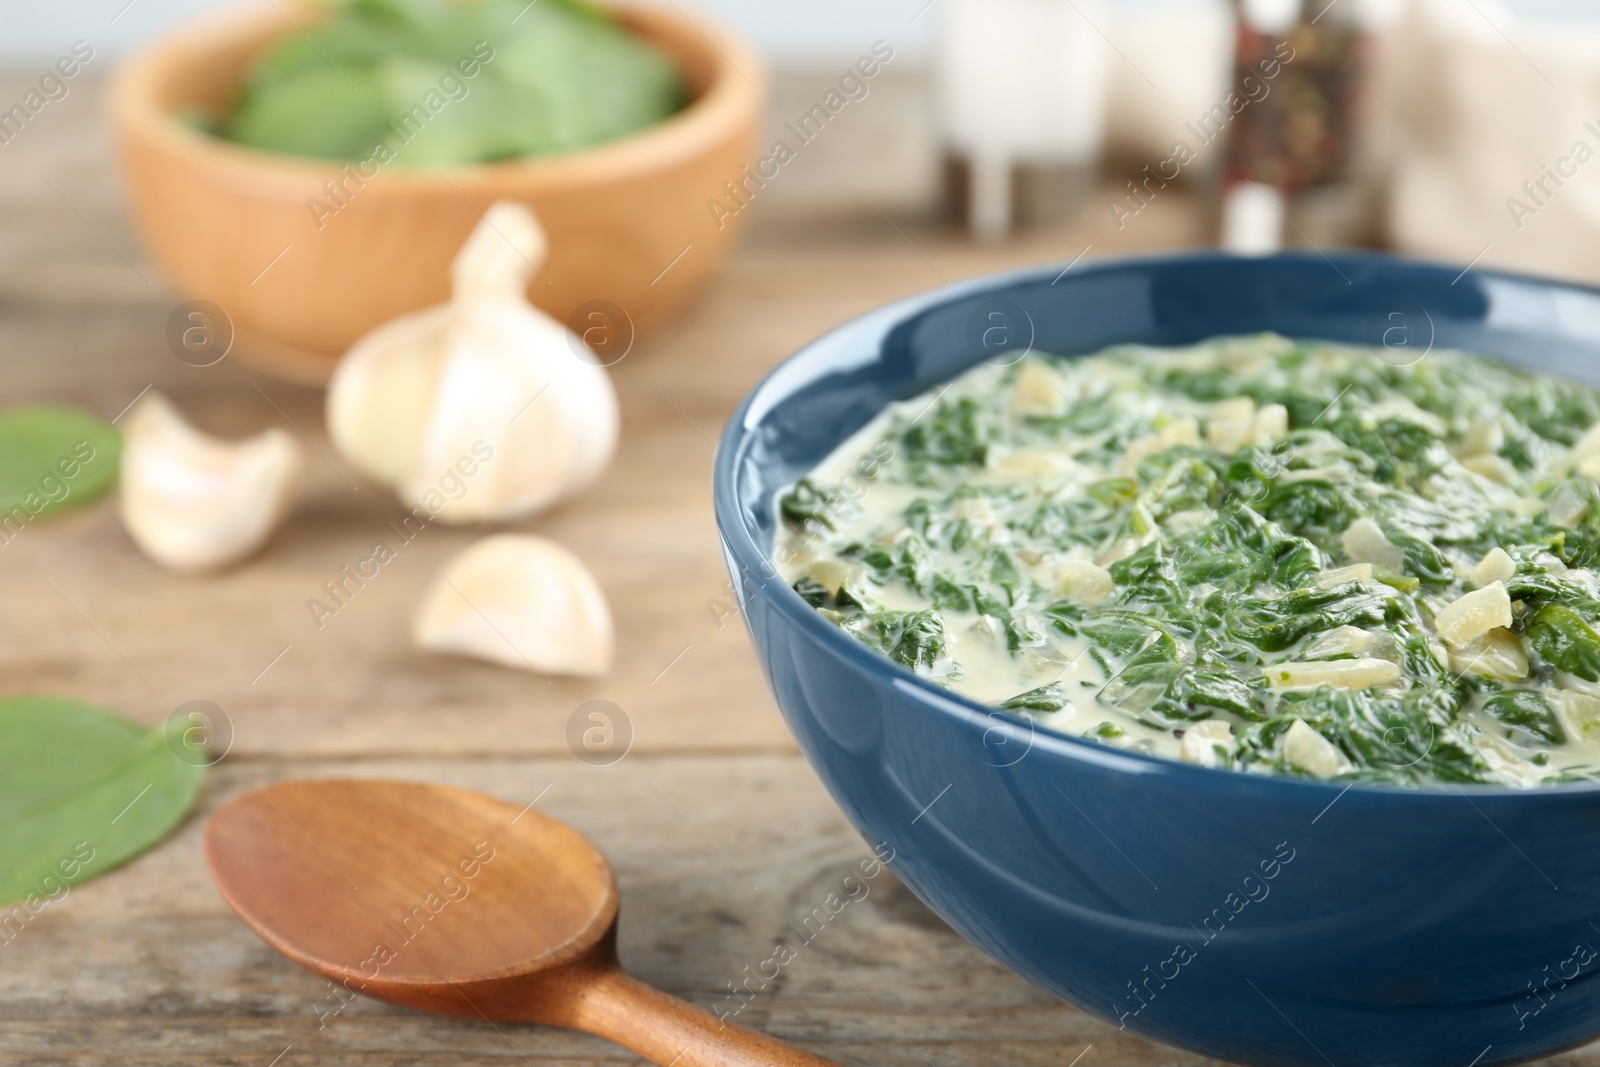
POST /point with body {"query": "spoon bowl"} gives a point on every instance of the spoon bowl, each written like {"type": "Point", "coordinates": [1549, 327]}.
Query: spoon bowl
{"type": "Point", "coordinates": [453, 902]}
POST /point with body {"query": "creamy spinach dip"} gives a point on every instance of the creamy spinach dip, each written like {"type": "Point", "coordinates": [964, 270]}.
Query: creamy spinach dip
{"type": "Point", "coordinates": [1277, 556]}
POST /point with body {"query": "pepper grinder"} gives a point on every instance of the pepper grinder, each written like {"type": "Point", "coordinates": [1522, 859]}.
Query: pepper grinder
{"type": "Point", "coordinates": [1294, 151]}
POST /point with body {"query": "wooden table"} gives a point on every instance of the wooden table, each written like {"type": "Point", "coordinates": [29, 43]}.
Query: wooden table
{"type": "Point", "coordinates": [720, 833]}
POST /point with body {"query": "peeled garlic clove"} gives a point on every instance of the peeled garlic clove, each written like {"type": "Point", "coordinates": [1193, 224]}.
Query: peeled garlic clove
{"type": "Point", "coordinates": [481, 408]}
{"type": "Point", "coordinates": [520, 601]}
{"type": "Point", "coordinates": [194, 502]}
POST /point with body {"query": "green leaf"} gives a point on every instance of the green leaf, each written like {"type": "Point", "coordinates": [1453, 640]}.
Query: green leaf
{"type": "Point", "coordinates": [81, 791]}
{"type": "Point", "coordinates": [547, 77]}
{"type": "Point", "coordinates": [52, 457]}
{"type": "Point", "coordinates": [950, 595]}
{"type": "Point", "coordinates": [1274, 622]}
{"type": "Point", "coordinates": [812, 591]}
{"type": "Point", "coordinates": [957, 433]}
{"type": "Point", "coordinates": [1529, 710]}
{"type": "Point", "coordinates": [1120, 632]}
{"type": "Point", "coordinates": [321, 113]}
{"type": "Point", "coordinates": [1064, 615]}
{"type": "Point", "coordinates": [1043, 700]}
{"type": "Point", "coordinates": [878, 559]}
{"type": "Point", "coordinates": [1107, 731]}
{"type": "Point", "coordinates": [913, 639]}
{"type": "Point", "coordinates": [1145, 677]}
{"type": "Point", "coordinates": [1203, 692]}
{"type": "Point", "coordinates": [916, 563]}
{"type": "Point", "coordinates": [806, 504]}
{"type": "Point", "coordinates": [1565, 641]}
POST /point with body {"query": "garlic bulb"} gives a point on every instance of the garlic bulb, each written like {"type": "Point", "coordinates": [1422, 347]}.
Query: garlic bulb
{"type": "Point", "coordinates": [485, 383]}
{"type": "Point", "coordinates": [194, 502]}
{"type": "Point", "coordinates": [521, 601]}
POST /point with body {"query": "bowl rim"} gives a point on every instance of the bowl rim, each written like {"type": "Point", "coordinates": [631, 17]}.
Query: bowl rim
{"type": "Point", "coordinates": [755, 564]}
{"type": "Point", "coordinates": [729, 100]}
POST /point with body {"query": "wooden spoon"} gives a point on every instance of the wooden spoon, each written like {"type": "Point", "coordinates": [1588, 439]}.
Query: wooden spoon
{"type": "Point", "coordinates": [453, 902]}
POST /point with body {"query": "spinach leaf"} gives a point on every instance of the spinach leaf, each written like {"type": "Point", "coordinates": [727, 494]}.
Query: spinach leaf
{"type": "Point", "coordinates": [441, 83]}
{"type": "Point", "coordinates": [915, 564]}
{"type": "Point", "coordinates": [1565, 641]}
{"type": "Point", "coordinates": [1528, 709]}
{"type": "Point", "coordinates": [1145, 677]}
{"type": "Point", "coordinates": [1240, 549]}
{"type": "Point", "coordinates": [1552, 410]}
{"type": "Point", "coordinates": [1119, 632]}
{"type": "Point", "coordinates": [956, 433]}
{"type": "Point", "coordinates": [851, 594]}
{"type": "Point", "coordinates": [913, 639]}
{"type": "Point", "coordinates": [920, 516]}
{"type": "Point", "coordinates": [51, 458]}
{"type": "Point", "coordinates": [1149, 577]}
{"type": "Point", "coordinates": [1405, 452]}
{"type": "Point", "coordinates": [1318, 510]}
{"type": "Point", "coordinates": [1046, 698]}
{"type": "Point", "coordinates": [951, 595]}
{"type": "Point", "coordinates": [1205, 691]}
{"type": "Point", "coordinates": [1064, 615]}
{"type": "Point", "coordinates": [1422, 559]}
{"type": "Point", "coordinates": [878, 559]}
{"type": "Point", "coordinates": [1016, 635]}
{"type": "Point", "coordinates": [1274, 623]}
{"type": "Point", "coordinates": [1581, 544]}
{"type": "Point", "coordinates": [813, 592]}
{"type": "Point", "coordinates": [82, 791]}
{"type": "Point", "coordinates": [808, 503]}
{"type": "Point", "coordinates": [1179, 479]}
{"type": "Point", "coordinates": [1532, 583]}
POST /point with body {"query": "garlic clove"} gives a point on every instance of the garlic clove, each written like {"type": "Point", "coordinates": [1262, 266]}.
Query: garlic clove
{"type": "Point", "coordinates": [193, 502]}
{"type": "Point", "coordinates": [490, 395]}
{"type": "Point", "coordinates": [1308, 750]}
{"type": "Point", "coordinates": [1473, 614]}
{"type": "Point", "coordinates": [382, 391]}
{"type": "Point", "coordinates": [500, 254]}
{"type": "Point", "coordinates": [1365, 542]}
{"type": "Point", "coordinates": [478, 409]}
{"type": "Point", "coordinates": [520, 601]}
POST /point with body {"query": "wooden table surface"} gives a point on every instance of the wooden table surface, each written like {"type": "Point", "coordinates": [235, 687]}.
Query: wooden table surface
{"type": "Point", "coordinates": [719, 831]}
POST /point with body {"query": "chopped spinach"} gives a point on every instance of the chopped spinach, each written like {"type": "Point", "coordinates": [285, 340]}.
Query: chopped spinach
{"type": "Point", "coordinates": [913, 639]}
{"type": "Point", "coordinates": [1045, 699]}
{"type": "Point", "coordinates": [1566, 641]}
{"type": "Point", "coordinates": [1256, 531]}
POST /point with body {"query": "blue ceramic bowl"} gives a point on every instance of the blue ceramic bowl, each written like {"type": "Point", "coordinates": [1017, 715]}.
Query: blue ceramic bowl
{"type": "Point", "coordinates": [1255, 919]}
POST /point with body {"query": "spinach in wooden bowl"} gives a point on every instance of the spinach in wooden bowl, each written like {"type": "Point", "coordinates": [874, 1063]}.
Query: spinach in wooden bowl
{"type": "Point", "coordinates": [418, 83]}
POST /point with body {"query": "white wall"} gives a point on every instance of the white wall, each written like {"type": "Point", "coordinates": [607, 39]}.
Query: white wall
{"type": "Point", "coordinates": [784, 29]}
{"type": "Point", "coordinates": [787, 30]}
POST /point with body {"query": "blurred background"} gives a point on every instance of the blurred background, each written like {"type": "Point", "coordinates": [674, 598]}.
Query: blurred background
{"type": "Point", "coordinates": [1429, 115]}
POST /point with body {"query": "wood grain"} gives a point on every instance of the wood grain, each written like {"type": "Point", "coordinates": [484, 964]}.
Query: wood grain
{"type": "Point", "coordinates": [452, 902]}
{"type": "Point", "coordinates": [155, 961]}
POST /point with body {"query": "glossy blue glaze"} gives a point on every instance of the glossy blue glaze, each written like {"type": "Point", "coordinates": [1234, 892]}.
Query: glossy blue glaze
{"type": "Point", "coordinates": [1434, 926]}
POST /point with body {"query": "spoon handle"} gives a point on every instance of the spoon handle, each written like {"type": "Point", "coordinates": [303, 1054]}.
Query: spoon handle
{"type": "Point", "coordinates": [669, 1031]}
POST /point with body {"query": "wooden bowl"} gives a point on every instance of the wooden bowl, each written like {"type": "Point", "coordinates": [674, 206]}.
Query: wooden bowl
{"type": "Point", "coordinates": [630, 222]}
